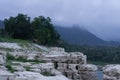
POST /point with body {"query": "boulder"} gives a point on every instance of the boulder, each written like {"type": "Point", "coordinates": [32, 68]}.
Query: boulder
{"type": "Point", "coordinates": [111, 72]}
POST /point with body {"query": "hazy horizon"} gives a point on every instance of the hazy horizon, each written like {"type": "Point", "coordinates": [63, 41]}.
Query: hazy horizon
{"type": "Point", "coordinates": [101, 17]}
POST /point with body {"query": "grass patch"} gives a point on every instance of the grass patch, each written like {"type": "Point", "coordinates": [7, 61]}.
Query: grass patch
{"type": "Point", "coordinates": [10, 57]}
{"type": "Point", "coordinates": [13, 40]}
{"type": "Point", "coordinates": [8, 65]}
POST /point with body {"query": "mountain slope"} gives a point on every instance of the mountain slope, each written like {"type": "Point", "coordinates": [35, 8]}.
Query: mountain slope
{"type": "Point", "coordinates": [1, 24]}
{"type": "Point", "coordinates": [79, 36]}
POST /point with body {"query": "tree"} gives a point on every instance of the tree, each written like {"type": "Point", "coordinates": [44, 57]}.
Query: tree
{"type": "Point", "coordinates": [18, 27]}
{"type": "Point", "coordinates": [44, 31]}
{"type": "Point", "coordinates": [40, 29]}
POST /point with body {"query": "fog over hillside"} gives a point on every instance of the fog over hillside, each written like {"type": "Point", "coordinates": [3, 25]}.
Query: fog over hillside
{"type": "Point", "coordinates": [80, 36]}
{"type": "Point", "coordinates": [100, 17]}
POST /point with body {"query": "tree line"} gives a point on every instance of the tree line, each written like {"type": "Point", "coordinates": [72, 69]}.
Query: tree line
{"type": "Point", "coordinates": [97, 54]}
{"type": "Point", "coordinates": [40, 29]}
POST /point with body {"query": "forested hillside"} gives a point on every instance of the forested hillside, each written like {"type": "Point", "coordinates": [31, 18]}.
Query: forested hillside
{"type": "Point", "coordinates": [79, 36]}
{"type": "Point", "coordinates": [1, 24]}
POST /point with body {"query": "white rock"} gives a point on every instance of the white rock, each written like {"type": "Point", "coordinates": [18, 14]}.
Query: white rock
{"type": "Point", "coordinates": [18, 68]}
{"type": "Point", "coordinates": [18, 54]}
{"type": "Point", "coordinates": [3, 68]}
{"type": "Point", "coordinates": [26, 64]}
{"type": "Point", "coordinates": [31, 56]}
{"type": "Point", "coordinates": [2, 59]}
{"type": "Point", "coordinates": [57, 49]}
{"type": "Point", "coordinates": [56, 54]}
{"type": "Point", "coordinates": [43, 66]}
{"type": "Point", "coordinates": [5, 75]}
{"type": "Point", "coordinates": [10, 45]}
{"type": "Point", "coordinates": [87, 67]}
{"type": "Point", "coordinates": [110, 68]}
{"type": "Point", "coordinates": [42, 47]}
{"type": "Point", "coordinates": [37, 76]}
{"type": "Point", "coordinates": [3, 53]}
{"type": "Point", "coordinates": [111, 72]}
{"type": "Point", "coordinates": [36, 70]}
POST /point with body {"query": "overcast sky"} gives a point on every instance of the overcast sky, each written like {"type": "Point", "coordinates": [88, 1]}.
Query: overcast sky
{"type": "Point", "coordinates": [101, 17]}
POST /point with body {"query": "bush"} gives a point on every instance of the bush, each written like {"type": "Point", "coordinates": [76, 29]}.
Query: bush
{"type": "Point", "coordinates": [9, 67]}
{"type": "Point", "coordinates": [10, 57]}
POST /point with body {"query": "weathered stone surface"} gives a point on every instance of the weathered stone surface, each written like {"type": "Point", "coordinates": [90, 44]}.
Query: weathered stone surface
{"type": "Point", "coordinates": [87, 67]}
{"type": "Point", "coordinates": [10, 45]}
{"type": "Point", "coordinates": [57, 49]}
{"type": "Point", "coordinates": [44, 67]}
{"type": "Point", "coordinates": [18, 68]}
{"type": "Point", "coordinates": [111, 72]}
{"type": "Point", "coordinates": [73, 65]}
{"type": "Point", "coordinates": [3, 53]}
{"type": "Point", "coordinates": [2, 59]}
{"type": "Point", "coordinates": [5, 75]}
{"type": "Point", "coordinates": [36, 76]}
{"type": "Point", "coordinates": [18, 54]}
{"type": "Point", "coordinates": [31, 56]}
{"type": "Point", "coordinates": [58, 62]}
{"type": "Point", "coordinates": [3, 68]}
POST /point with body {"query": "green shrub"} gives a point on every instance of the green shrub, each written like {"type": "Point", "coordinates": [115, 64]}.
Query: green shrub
{"type": "Point", "coordinates": [9, 67]}
{"type": "Point", "coordinates": [10, 57]}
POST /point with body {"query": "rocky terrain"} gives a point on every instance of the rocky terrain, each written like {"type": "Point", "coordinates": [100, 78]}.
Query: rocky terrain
{"type": "Point", "coordinates": [111, 72]}
{"type": "Point", "coordinates": [34, 62]}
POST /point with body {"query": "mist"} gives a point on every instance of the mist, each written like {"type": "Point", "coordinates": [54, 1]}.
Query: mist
{"type": "Point", "coordinates": [101, 17]}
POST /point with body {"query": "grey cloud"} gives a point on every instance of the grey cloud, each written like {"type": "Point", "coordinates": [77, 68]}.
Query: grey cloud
{"type": "Point", "coordinates": [101, 17]}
